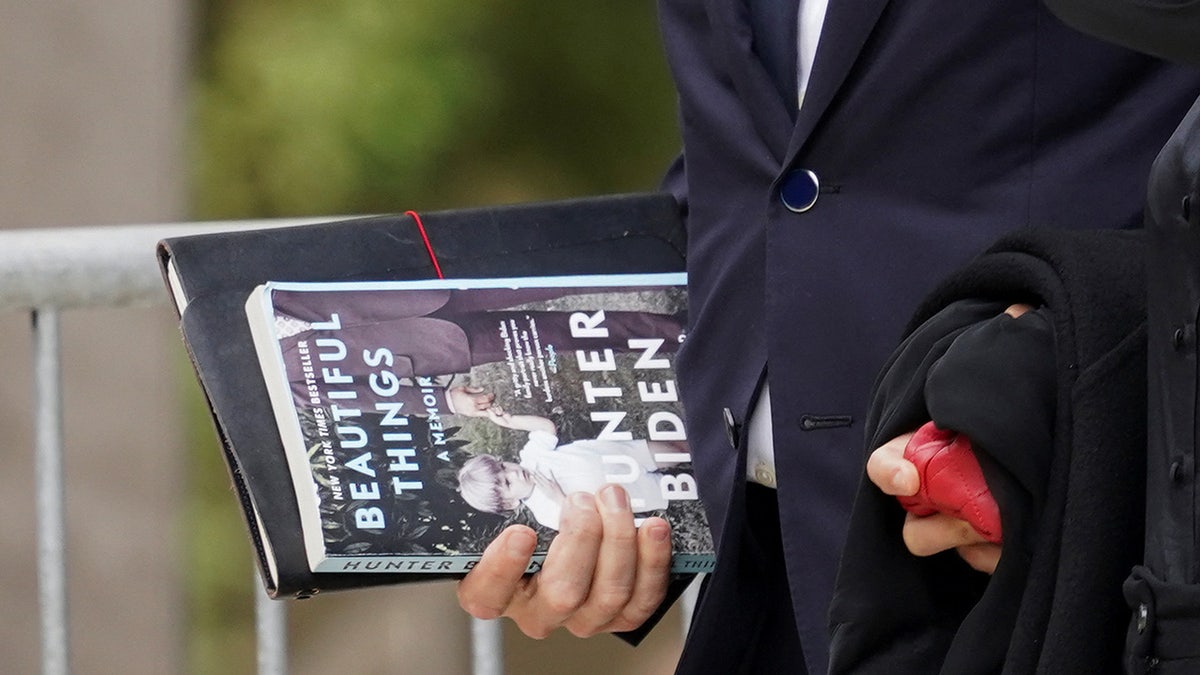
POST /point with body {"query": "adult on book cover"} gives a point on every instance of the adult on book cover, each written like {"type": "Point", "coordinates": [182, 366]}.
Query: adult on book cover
{"type": "Point", "coordinates": [441, 331]}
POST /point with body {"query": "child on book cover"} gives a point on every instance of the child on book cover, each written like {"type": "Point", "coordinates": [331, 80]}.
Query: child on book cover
{"type": "Point", "coordinates": [549, 472]}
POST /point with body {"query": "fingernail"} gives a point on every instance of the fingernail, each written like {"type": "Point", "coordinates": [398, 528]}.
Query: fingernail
{"type": "Point", "coordinates": [583, 500]}
{"type": "Point", "coordinates": [903, 483]}
{"type": "Point", "coordinates": [614, 498]}
{"type": "Point", "coordinates": [520, 543]}
{"type": "Point", "coordinates": [659, 532]}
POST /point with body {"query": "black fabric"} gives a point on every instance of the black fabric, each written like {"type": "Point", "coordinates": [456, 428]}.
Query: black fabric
{"type": "Point", "coordinates": [1169, 582]}
{"type": "Point", "coordinates": [776, 644]}
{"type": "Point", "coordinates": [1072, 516]}
{"type": "Point", "coordinates": [773, 30]}
{"type": "Point", "coordinates": [1162, 636]}
{"type": "Point", "coordinates": [1166, 28]}
{"type": "Point", "coordinates": [758, 633]}
{"type": "Point", "coordinates": [1173, 222]}
{"type": "Point", "coordinates": [995, 384]}
{"type": "Point", "coordinates": [1164, 594]}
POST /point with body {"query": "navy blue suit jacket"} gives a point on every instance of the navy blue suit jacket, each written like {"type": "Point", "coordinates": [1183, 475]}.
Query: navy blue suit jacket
{"type": "Point", "coordinates": [933, 127]}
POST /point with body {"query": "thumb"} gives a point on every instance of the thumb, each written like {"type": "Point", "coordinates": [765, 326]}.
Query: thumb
{"type": "Point", "coordinates": [890, 471]}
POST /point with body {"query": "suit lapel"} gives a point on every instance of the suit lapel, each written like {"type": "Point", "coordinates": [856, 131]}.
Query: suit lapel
{"type": "Point", "coordinates": [848, 23]}
{"type": "Point", "coordinates": [767, 109]}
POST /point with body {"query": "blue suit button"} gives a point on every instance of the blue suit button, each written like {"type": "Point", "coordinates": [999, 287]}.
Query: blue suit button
{"type": "Point", "coordinates": [799, 190]}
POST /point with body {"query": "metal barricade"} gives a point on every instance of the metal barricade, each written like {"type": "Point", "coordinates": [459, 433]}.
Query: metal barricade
{"type": "Point", "coordinates": [46, 271]}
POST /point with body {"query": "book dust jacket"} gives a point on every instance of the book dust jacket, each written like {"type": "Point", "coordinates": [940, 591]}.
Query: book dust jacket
{"type": "Point", "coordinates": [422, 418]}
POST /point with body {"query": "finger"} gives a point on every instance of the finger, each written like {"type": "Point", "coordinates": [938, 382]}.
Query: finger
{"type": "Point", "coordinates": [982, 557]}
{"type": "Point", "coordinates": [653, 575]}
{"type": "Point", "coordinates": [1018, 309]}
{"type": "Point", "coordinates": [490, 586]}
{"type": "Point", "coordinates": [927, 535]}
{"type": "Point", "coordinates": [616, 565]}
{"type": "Point", "coordinates": [890, 471]}
{"type": "Point", "coordinates": [563, 584]}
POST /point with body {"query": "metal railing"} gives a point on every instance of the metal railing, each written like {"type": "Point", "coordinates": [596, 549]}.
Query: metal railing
{"type": "Point", "coordinates": [45, 271]}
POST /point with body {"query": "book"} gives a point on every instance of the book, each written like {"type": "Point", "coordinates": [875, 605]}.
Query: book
{"type": "Point", "coordinates": [421, 418]}
{"type": "Point", "coordinates": [210, 276]}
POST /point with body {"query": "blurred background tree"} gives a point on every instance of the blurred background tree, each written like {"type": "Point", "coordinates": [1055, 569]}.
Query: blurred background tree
{"type": "Point", "coordinates": [356, 106]}
{"type": "Point", "coordinates": [371, 106]}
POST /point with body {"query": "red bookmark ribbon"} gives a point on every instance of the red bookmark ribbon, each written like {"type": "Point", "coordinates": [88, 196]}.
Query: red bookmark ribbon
{"type": "Point", "coordinates": [428, 245]}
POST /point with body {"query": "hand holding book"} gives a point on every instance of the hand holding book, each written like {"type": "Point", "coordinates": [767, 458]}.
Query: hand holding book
{"type": "Point", "coordinates": [601, 574]}
{"type": "Point", "coordinates": [210, 277]}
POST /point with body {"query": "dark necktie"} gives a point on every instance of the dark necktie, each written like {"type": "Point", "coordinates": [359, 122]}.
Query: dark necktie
{"type": "Point", "coordinates": [773, 25]}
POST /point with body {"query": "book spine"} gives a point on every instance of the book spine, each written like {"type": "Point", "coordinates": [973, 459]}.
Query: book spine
{"type": "Point", "coordinates": [694, 563]}
{"type": "Point", "coordinates": [409, 564]}
{"type": "Point", "coordinates": [461, 564]}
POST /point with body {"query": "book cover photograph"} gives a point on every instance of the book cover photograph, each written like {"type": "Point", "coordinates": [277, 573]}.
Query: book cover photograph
{"type": "Point", "coordinates": [421, 418]}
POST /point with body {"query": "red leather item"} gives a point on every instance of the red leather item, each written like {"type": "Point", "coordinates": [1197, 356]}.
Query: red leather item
{"type": "Point", "coordinates": [951, 481]}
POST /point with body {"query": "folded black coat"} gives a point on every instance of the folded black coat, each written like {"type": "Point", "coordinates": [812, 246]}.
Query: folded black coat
{"type": "Point", "coordinates": [1072, 505]}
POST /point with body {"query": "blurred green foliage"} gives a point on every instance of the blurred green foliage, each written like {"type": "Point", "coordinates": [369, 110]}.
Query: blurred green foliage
{"type": "Point", "coordinates": [371, 106]}
{"type": "Point", "coordinates": [356, 106]}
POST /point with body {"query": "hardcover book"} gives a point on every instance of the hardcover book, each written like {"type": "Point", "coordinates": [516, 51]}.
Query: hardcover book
{"type": "Point", "coordinates": [420, 418]}
{"type": "Point", "coordinates": [211, 276]}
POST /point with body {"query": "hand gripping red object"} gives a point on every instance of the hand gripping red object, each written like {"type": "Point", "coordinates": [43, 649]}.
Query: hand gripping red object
{"type": "Point", "coordinates": [951, 481]}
